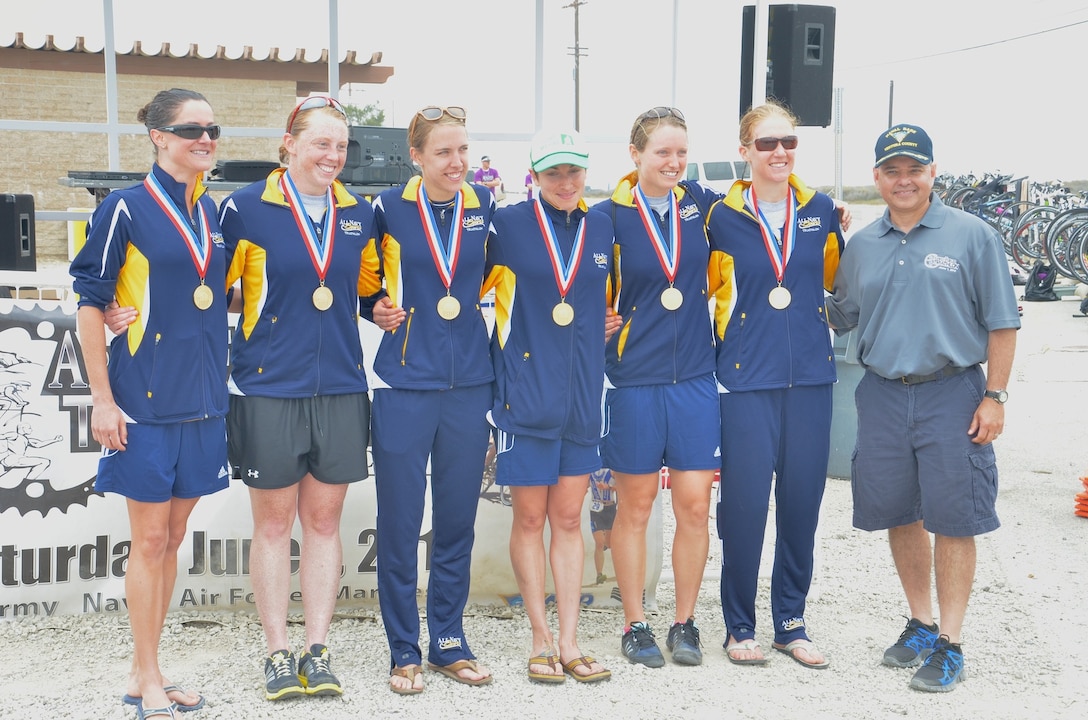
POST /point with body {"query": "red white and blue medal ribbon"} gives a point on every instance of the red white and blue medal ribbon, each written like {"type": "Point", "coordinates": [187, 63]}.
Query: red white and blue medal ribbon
{"type": "Point", "coordinates": [318, 245]}
{"type": "Point", "coordinates": [564, 269]}
{"type": "Point", "coordinates": [445, 255]}
{"type": "Point", "coordinates": [667, 250]}
{"type": "Point", "coordinates": [199, 244]}
{"type": "Point", "coordinates": [778, 248]}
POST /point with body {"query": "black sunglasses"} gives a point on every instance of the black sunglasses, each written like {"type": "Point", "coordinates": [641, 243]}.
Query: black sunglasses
{"type": "Point", "coordinates": [193, 132]}
{"type": "Point", "coordinates": [768, 144]}
{"type": "Point", "coordinates": [313, 103]}
{"type": "Point", "coordinates": [433, 112]}
{"type": "Point", "coordinates": [661, 111]}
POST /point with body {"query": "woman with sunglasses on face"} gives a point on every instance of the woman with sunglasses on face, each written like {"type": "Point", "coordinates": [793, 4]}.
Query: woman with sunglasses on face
{"type": "Point", "coordinates": [775, 245]}
{"type": "Point", "coordinates": [663, 407]}
{"type": "Point", "coordinates": [303, 248]}
{"type": "Point", "coordinates": [548, 262]}
{"type": "Point", "coordinates": [160, 405]}
{"type": "Point", "coordinates": [434, 358]}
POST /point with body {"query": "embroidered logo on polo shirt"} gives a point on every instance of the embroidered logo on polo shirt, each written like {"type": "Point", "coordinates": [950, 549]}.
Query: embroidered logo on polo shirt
{"type": "Point", "coordinates": [941, 262]}
{"type": "Point", "coordinates": [473, 222]}
{"type": "Point", "coordinates": [809, 224]}
{"type": "Point", "coordinates": [351, 227]}
{"type": "Point", "coordinates": [217, 239]}
{"type": "Point", "coordinates": [689, 211]}
{"type": "Point", "coordinates": [601, 259]}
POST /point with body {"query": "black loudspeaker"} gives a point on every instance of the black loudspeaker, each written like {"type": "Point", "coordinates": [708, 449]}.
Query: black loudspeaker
{"type": "Point", "coordinates": [17, 247]}
{"type": "Point", "coordinates": [377, 156]}
{"type": "Point", "coordinates": [243, 170]}
{"type": "Point", "coordinates": [800, 59]}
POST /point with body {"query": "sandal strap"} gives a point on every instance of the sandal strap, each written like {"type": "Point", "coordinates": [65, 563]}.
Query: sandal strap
{"type": "Point", "coordinates": [409, 671]}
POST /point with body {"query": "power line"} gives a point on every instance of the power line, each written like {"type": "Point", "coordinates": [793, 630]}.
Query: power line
{"type": "Point", "coordinates": [973, 47]}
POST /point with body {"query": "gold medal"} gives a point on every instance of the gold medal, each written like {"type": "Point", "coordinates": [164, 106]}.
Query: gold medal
{"type": "Point", "coordinates": [562, 314]}
{"type": "Point", "coordinates": [449, 307]}
{"type": "Point", "coordinates": [671, 298]}
{"type": "Point", "coordinates": [779, 298]}
{"type": "Point", "coordinates": [322, 298]}
{"type": "Point", "coordinates": [203, 297]}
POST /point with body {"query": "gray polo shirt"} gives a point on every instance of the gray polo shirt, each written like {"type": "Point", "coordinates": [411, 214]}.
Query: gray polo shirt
{"type": "Point", "coordinates": [924, 299]}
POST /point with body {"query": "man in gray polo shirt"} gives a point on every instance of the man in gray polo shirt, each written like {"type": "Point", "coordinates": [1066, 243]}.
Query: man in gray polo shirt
{"type": "Point", "coordinates": [928, 290]}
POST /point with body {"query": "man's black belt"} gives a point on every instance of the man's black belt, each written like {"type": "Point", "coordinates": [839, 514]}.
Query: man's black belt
{"type": "Point", "coordinates": [946, 371]}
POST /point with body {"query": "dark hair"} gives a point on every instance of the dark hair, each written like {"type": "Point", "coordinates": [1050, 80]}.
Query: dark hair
{"type": "Point", "coordinates": [164, 107]}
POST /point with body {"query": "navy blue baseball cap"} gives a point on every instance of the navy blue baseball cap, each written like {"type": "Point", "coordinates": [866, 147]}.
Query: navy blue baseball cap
{"type": "Point", "coordinates": [906, 140]}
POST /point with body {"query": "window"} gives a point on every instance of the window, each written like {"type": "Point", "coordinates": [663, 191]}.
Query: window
{"type": "Point", "coordinates": [719, 171]}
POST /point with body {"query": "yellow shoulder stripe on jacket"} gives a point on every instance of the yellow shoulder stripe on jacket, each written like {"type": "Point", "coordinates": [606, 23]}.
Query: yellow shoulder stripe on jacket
{"type": "Point", "coordinates": [411, 192]}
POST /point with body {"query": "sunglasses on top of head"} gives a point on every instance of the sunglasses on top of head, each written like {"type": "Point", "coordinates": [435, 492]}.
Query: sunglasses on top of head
{"type": "Point", "coordinates": [661, 112]}
{"type": "Point", "coordinates": [313, 103]}
{"type": "Point", "coordinates": [769, 144]}
{"type": "Point", "coordinates": [434, 112]}
{"type": "Point", "coordinates": [192, 132]}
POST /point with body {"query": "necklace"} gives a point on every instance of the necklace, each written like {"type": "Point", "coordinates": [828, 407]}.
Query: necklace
{"type": "Point", "coordinates": [442, 207]}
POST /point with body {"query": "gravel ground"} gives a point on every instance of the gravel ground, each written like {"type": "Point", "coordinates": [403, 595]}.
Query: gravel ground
{"type": "Point", "coordinates": [1025, 640]}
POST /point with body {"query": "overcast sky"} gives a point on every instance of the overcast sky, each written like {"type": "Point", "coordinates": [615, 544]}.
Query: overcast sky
{"type": "Point", "coordinates": [996, 82]}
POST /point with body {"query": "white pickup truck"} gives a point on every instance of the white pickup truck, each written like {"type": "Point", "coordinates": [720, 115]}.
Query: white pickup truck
{"type": "Point", "coordinates": [719, 175]}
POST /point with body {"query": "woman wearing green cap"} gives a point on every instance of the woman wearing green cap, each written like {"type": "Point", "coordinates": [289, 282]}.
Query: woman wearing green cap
{"type": "Point", "coordinates": [548, 261]}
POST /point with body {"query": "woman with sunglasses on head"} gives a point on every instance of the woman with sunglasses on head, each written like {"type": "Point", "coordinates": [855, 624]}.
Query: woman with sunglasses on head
{"type": "Point", "coordinates": [434, 358]}
{"type": "Point", "coordinates": [303, 248]}
{"type": "Point", "coordinates": [160, 404]}
{"type": "Point", "coordinates": [775, 245]}
{"type": "Point", "coordinates": [662, 408]}
{"type": "Point", "coordinates": [548, 262]}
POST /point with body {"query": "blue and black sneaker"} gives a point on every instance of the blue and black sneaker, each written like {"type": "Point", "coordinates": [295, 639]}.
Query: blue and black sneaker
{"type": "Point", "coordinates": [315, 673]}
{"type": "Point", "coordinates": [639, 646]}
{"type": "Point", "coordinates": [913, 646]}
{"type": "Point", "coordinates": [943, 670]}
{"type": "Point", "coordinates": [281, 679]}
{"type": "Point", "coordinates": [683, 642]}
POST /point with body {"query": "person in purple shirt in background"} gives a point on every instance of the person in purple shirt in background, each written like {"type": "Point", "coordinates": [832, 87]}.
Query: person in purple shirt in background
{"type": "Point", "coordinates": [529, 185]}
{"type": "Point", "coordinates": [487, 175]}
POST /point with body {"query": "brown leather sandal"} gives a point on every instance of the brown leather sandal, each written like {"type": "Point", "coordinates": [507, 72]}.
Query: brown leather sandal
{"type": "Point", "coordinates": [410, 672]}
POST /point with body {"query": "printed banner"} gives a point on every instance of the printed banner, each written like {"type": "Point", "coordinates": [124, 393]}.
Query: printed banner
{"type": "Point", "coordinates": [64, 547]}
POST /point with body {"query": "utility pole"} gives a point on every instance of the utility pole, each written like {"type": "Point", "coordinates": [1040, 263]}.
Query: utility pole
{"type": "Point", "coordinates": [759, 53]}
{"type": "Point", "coordinates": [891, 100]}
{"type": "Point", "coordinates": [334, 49]}
{"type": "Point", "coordinates": [577, 53]}
{"type": "Point", "coordinates": [838, 142]}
